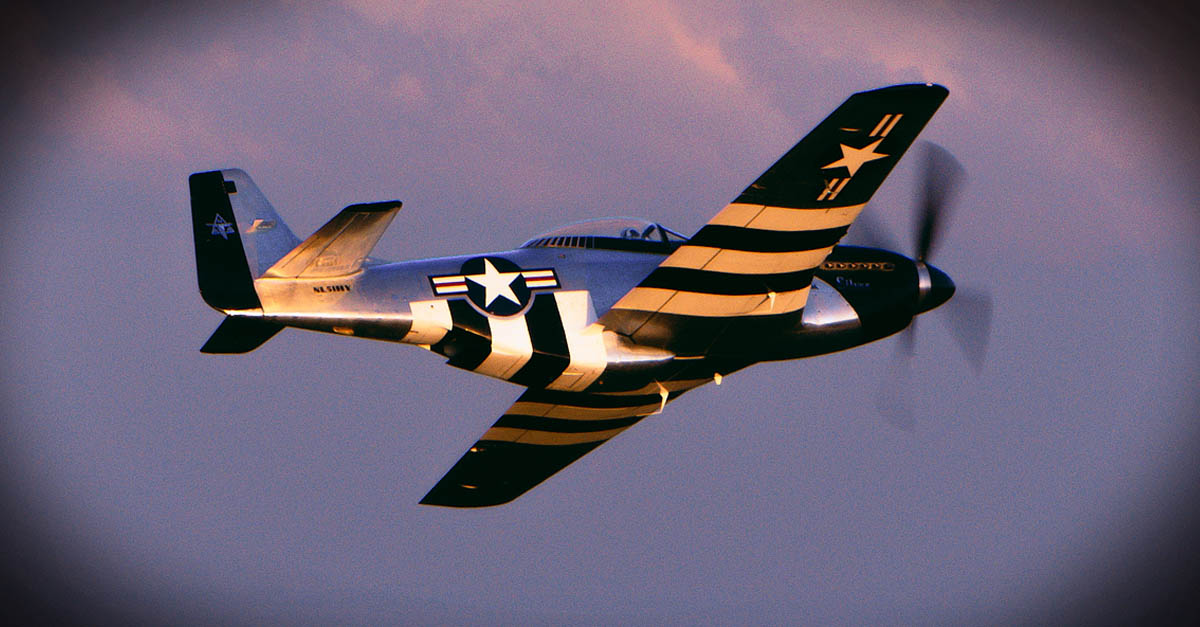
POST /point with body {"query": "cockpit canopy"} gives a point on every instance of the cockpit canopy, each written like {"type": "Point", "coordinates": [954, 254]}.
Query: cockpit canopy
{"type": "Point", "coordinates": [631, 234]}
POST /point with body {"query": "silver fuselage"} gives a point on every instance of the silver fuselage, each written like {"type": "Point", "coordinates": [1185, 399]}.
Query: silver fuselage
{"type": "Point", "coordinates": [396, 302]}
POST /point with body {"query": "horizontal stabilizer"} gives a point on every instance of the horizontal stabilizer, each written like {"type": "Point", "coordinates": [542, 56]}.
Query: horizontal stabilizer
{"type": "Point", "coordinates": [240, 335]}
{"type": "Point", "coordinates": [341, 246]}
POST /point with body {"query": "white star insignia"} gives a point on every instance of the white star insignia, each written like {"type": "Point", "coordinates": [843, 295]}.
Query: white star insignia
{"type": "Point", "coordinates": [495, 284]}
{"type": "Point", "coordinates": [853, 158]}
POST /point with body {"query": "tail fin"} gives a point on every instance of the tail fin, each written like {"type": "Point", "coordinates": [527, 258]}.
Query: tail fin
{"type": "Point", "coordinates": [238, 237]}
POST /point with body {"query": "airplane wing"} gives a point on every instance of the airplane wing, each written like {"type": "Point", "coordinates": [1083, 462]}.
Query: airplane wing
{"type": "Point", "coordinates": [751, 266]}
{"type": "Point", "coordinates": [543, 432]}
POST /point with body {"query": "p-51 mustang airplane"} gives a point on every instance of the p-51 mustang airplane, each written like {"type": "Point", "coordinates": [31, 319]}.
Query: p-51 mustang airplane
{"type": "Point", "coordinates": [604, 322]}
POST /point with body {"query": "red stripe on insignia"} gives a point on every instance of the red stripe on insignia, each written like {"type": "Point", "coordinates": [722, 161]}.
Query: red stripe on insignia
{"type": "Point", "coordinates": [457, 287]}
{"type": "Point", "coordinates": [540, 278]}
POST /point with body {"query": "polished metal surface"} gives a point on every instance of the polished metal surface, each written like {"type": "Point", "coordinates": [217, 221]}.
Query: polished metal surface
{"type": "Point", "coordinates": [827, 310]}
{"type": "Point", "coordinates": [934, 287]}
{"type": "Point", "coordinates": [924, 283]}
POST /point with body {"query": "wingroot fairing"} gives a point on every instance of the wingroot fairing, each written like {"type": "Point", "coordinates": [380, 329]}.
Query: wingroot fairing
{"type": "Point", "coordinates": [604, 322]}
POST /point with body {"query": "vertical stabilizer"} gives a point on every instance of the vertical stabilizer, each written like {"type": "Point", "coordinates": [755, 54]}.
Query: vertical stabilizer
{"type": "Point", "coordinates": [238, 236]}
{"type": "Point", "coordinates": [264, 235]}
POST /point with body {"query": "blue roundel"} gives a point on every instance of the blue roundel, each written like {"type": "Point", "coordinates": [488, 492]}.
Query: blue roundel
{"type": "Point", "coordinates": [496, 285]}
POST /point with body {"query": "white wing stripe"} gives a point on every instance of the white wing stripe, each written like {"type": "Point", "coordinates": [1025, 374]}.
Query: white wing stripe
{"type": "Point", "coordinates": [511, 348]}
{"type": "Point", "coordinates": [585, 342]}
{"type": "Point", "coordinates": [430, 322]}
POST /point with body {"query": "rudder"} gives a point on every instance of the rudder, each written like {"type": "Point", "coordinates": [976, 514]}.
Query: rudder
{"type": "Point", "coordinates": [221, 266]}
{"type": "Point", "coordinates": [238, 236]}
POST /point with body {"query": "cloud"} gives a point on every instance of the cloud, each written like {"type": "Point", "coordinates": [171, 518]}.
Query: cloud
{"type": "Point", "coordinates": [553, 33]}
{"type": "Point", "coordinates": [700, 50]}
{"type": "Point", "coordinates": [408, 88]}
{"type": "Point", "coordinates": [90, 105]}
{"type": "Point", "coordinates": [910, 41]}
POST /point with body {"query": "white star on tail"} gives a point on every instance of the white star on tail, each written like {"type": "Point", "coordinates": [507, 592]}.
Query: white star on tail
{"type": "Point", "coordinates": [853, 158]}
{"type": "Point", "coordinates": [495, 283]}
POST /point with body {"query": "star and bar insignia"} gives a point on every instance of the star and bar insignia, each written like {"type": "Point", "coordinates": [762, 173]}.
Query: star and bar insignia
{"type": "Point", "coordinates": [495, 285]}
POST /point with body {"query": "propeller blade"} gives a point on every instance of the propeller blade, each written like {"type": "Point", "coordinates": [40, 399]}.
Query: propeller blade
{"type": "Point", "coordinates": [940, 184]}
{"type": "Point", "coordinates": [970, 311]}
{"type": "Point", "coordinates": [908, 338]}
{"type": "Point", "coordinates": [869, 231]}
{"type": "Point", "coordinates": [894, 398]}
{"type": "Point", "coordinates": [970, 317]}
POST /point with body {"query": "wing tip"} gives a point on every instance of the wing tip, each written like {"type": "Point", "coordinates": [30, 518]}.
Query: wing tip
{"type": "Point", "coordinates": [930, 87]}
{"type": "Point", "coordinates": [449, 497]}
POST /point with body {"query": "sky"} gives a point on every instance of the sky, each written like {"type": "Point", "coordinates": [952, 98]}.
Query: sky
{"type": "Point", "coordinates": [143, 480]}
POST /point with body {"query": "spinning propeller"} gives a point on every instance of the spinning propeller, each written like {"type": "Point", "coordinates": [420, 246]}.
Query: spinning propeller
{"type": "Point", "coordinates": [969, 312]}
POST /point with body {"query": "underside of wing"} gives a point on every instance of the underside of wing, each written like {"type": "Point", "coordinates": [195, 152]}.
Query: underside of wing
{"type": "Point", "coordinates": [543, 432]}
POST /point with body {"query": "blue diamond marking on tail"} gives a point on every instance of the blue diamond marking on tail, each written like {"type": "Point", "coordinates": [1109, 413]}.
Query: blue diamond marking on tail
{"type": "Point", "coordinates": [221, 227]}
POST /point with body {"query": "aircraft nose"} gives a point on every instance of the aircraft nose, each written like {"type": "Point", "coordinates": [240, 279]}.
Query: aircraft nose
{"type": "Point", "coordinates": [938, 290]}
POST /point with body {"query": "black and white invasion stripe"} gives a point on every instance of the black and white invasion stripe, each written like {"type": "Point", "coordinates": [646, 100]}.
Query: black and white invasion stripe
{"type": "Point", "coordinates": [548, 346]}
{"type": "Point", "coordinates": [543, 431]}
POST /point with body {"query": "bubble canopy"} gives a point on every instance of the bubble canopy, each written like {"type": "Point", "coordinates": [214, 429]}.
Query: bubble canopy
{"type": "Point", "coordinates": [633, 234]}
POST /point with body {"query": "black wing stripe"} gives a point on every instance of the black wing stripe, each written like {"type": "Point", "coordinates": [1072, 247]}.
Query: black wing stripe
{"type": "Point", "coordinates": [551, 355]}
{"type": "Point", "coordinates": [465, 317]}
{"type": "Point", "coordinates": [596, 401]}
{"type": "Point", "coordinates": [520, 451]}
{"type": "Point", "coordinates": [765, 241]}
{"type": "Point", "coordinates": [466, 349]}
{"type": "Point", "coordinates": [558, 425]}
{"type": "Point", "coordinates": [708, 282]}
{"type": "Point", "coordinates": [799, 178]}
